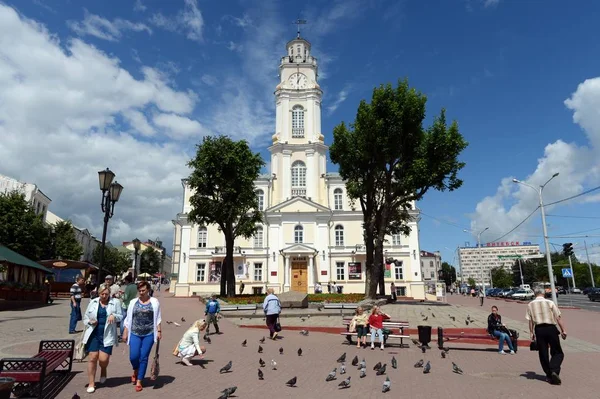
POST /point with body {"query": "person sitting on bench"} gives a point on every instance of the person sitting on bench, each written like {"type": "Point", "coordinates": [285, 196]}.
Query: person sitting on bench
{"type": "Point", "coordinates": [499, 330]}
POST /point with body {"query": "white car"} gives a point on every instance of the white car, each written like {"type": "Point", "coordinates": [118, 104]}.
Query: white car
{"type": "Point", "coordinates": [523, 294]}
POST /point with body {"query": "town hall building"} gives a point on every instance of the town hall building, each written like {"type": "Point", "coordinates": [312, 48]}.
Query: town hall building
{"type": "Point", "coordinates": [311, 232]}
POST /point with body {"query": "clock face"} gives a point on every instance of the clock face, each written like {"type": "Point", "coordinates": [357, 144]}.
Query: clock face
{"type": "Point", "coordinates": [298, 81]}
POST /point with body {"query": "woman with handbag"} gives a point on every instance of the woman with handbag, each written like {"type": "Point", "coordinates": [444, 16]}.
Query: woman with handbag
{"type": "Point", "coordinates": [142, 331]}
{"type": "Point", "coordinates": [189, 345]}
{"type": "Point", "coordinates": [100, 321]}
{"type": "Point", "coordinates": [359, 324]}
{"type": "Point", "coordinates": [272, 308]}
{"type": "Point", "coordinates": [499, 330]}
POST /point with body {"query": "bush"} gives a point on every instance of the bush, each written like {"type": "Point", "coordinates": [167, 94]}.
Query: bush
{"type": "Point", "coordinates": [248, 299]}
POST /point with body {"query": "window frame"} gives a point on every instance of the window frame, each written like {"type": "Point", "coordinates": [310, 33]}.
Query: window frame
{"type": "Point", "coordinates": [203, 268]}
{"type": "Point", "coordinates": [338, 199]}
{"type": "Point", "coordinates": [202, 237]}
{"type": "Point", "coordinates": [259, 269]}
{"type": "Point", "coordinates": [259, 237]}
{"type": "Point", "coordinates": [396, 239]}
{"type": "Point", "coordinates": [298, 170]}
{"type": "Point", "coordinates": [298, 234]}
{"type": "Point", "coordinates": [260, 194]}
{"type": "Point", "coordinates": [339, 235]}
{"type": "Point", "coordinates": [399, 271]}
{"type": "Point", "coordinates": [342, 269]}
{"type": "Point", "coordinates": [297, 121]}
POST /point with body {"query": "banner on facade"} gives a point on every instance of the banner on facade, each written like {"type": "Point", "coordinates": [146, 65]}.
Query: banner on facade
{"type": "Point", "coordinates": [354, 271]}
{"type": "Point", "coordinates": [215, 272]}
{"type": "Point", "coordinates": [387, 272]}
{"type": "Point", "coordinates": [240, 271]}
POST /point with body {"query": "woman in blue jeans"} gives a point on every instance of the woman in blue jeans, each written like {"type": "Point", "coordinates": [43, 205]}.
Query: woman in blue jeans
{"type": "Point", "coordinates": [142, 330]}
{"type": "Point", "coordinates": [499, 330]}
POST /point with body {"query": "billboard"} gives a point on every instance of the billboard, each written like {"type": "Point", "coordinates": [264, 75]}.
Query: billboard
{"type": "Point", "coordinates": [354, 271]}
{"type": "Point", "coordinates": [214, 272]}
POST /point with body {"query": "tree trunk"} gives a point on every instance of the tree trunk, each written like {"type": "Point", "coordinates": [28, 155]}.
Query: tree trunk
{"type": "Point", "coordinates": [229, 275]}
{"type": "Point", "coordinates": [371, 275]}
{"type": "Point", "coordinates": [223, 292]}
{"type": "Point", "coordinates": [379, 264]}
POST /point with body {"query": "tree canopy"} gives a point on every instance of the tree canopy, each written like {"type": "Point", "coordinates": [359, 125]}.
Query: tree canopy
{"type": "Point", "coordinates": [114, 260]}
{"type": "Point", "coordinates": [150, 261]}
{"type": "Point", "coordinates": [448, 274]}
{"type": "Point", "coordinates": [501, 278]}
{"type": "Point", "coordinates": [65, 244]}
{"type": "Point", "coordinates": [389, 160]}
{"type": "Point", "coordinates": [222, 180]}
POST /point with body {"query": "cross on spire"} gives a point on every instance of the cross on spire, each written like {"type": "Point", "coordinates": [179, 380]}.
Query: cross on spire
{"type": "Point", "coordinates": [299, 22]}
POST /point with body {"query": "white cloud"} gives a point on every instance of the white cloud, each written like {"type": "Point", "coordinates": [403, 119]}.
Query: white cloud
{"type": "Point", "coordinates": [139, 6]}
{"type": "Point", "coordinates": [61, 107]}
{"type": "Point", "coordinates": [491, 3]}
{"type": "Point", "coordinates": [340, 98]}
{"type": "Point", "coordinates": [579, 168]}
{"type": "Point", "coordinates": [209, 79]}
{"type": "Point", "coordinates": [102, 28]}
{"type": "Point", "coordinates": [242, 22]}
{"type": "Point", "coordinates": [235, 47]}
{"type": "Point", "coordinates": [180, 127]}
{"type": "Point", "coordinates": [188, 21]}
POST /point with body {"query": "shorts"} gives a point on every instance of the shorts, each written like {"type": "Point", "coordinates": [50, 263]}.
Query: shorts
{"type": "Point", "coordinates": [361, 331]}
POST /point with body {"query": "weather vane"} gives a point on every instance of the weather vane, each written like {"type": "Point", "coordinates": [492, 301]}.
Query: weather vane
{"type": "Point", "coordinates": [299, 22]}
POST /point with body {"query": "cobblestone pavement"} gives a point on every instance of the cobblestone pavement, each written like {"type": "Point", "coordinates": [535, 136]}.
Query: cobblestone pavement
{"type": "Point", "coordinates": [486, 374]}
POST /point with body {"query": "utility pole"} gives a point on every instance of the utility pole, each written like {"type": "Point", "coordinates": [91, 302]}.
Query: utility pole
{"type": "Point", "coordinates": [589, 264]}
{"type": "Point", "coordinates": [572, 273]}
{"type": "Point", "coordinates": [521, 271]}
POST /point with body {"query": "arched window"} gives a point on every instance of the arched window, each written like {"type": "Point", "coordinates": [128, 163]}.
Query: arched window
{"type": "Point", "coordinates": [297, 121]}
{"type": "Point", "coordinates": [298, 234]}
{"type": "Point", "coordinates": [298, 179]}
{"type": "Point", "coordinates": [258, 237]}
{"type": "Point", "coordinates": [339, 236]}
{"type": "Point", "coordinates": [202, 236]}
{"type": "Point", "coordinates": [337, 199]}
{"type": "Point", "coordinates": [260, 194]}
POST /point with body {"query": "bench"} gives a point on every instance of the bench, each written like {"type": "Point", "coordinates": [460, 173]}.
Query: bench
{"type": "Point", "coordinates": [400, 325]}
{"type": "Point", "coordinates": [479, 335]}
{"type": "Point", "coordinates": [31, 374]}
{"type": "Point", "coordinates": [340, 306]}
{"type": "Point", "coordinates": [228, 308]}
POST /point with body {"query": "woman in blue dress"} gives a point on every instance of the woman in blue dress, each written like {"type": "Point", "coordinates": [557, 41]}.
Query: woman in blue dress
{"type": "Point", "coordinates": [100, 321]}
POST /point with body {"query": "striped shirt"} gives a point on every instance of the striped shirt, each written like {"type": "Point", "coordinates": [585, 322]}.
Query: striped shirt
{"type": "Point", "coordinates": [542, 311]}
{"type": "Point", "coordinates": [75, 291]}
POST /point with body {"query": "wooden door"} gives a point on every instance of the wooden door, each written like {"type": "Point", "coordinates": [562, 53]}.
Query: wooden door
{"type": "Point", "coordinates": [299, 277]}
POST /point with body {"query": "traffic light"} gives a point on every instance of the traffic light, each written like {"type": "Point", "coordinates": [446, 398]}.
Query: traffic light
{"type": "Point", "coordinates": [568, 249]}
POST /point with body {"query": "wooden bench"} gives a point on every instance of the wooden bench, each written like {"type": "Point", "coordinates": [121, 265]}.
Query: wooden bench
{"type": "Point", "coordinates": [400, 325]}
{"type": "Point", "coordinates": [340, 306]}
{"type": "Point", "coordinates": [228, 308]}
{"type": "Point", "coordinates": [31, 374]}
{"type": "Point", "coordinates": [479, 335]}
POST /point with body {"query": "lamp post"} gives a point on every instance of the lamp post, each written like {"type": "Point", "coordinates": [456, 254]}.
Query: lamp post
{"type": "Point", "coordinates": [136, 246]}
{"type": "Point", "coordinates": [110, 195]}
{"type": "Point", "coordinates": [480, 257]}
{"type": "Point", "coordinates": [546, 243]}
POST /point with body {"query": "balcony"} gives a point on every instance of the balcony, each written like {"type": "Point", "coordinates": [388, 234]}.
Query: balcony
{"type": "Point", "coordinates": [299, 192]}
{"type": "Point", "coordinates": [297, 132]}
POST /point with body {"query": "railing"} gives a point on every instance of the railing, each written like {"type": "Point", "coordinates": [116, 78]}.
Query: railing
{"type": "Point", "coordinates": [299, 192]}
{"type": "Point", "coordinates": [297, 132]}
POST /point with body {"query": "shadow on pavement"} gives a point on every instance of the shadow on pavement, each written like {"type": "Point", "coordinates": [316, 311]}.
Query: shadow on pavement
{"type": "Point", "coordinates": [56, 382]}
{"type": "Point", "coordinates": [200, 362]}
{"type": "Point", "coordinates": [532, 375]}
{"type": "Point", "coordinates": [455, 348]}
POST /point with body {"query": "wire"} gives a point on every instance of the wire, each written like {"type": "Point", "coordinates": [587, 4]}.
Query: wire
{"type": "Point", "coordinates": [582, 231]}
{"type": "Point", "coordinates": [517, 226]}
{"type": "Point", "coordinates": [444, 221]}
{"type": "Point", "coordinates": [575, 217]}
{"type": "Point", "coordinates": [574, 196]}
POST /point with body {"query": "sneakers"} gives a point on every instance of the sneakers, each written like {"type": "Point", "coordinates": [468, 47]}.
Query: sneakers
{"type": "Point", "coordinates": [186, 361]}
{"type": "Point", "coordinates": [372, 346]}
{"type": "Point", "coordinates": [555, 379]}
{"type": "Point", "coordinates": [91, 389]}
{"type": "Point", "coordinates": [501, 353]}
{"type": "Point", "coordinates": [382, 346]}
{"type": "Point", "coordinates": [512, 353]}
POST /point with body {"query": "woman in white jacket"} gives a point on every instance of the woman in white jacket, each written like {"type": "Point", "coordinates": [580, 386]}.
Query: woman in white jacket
{"type": "Point", "coordinates": [100, 321]}
{"type": "Point", "coordinates": [142, 331]}
{"type": "Point", "coordinates": [189, 345]}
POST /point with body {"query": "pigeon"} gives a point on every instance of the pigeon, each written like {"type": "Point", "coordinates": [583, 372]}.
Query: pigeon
{"type": "Point", "coordinates": [260, 349]}
{"type": "Point", "coordinates": [453, 318]}
{"type": "Point", "coordinates": [467, 322]}
{"type": "Point", "coordinates": [331, 375]}
{"type": "Point", "coordinates": [226, 368]}
{"type": "Point", "coordinates": [419, 364]}
{"type": "Point", "coordinates": [355, 361]}
{"type": "Point", "coordinates": [320, 308]}
{"type": "Point", "coordinates": [469, 317]}
{"type": "Point", "coordinates": [377, 366]}
{"type": "Point", "coordinates": [362, 364]}
{"type": "Point", "coordinates": [443, 355]}
{"type": "Point", "coordinates": [446, 349]}
{"type": "Point", "coordinates": [345, 383]}
{"type": "Point", "coordinates": [260, 375]}
{"type": "Point", "coordinates": [304, 332]}
{"type": "Point", "coordinates": [281, 351]}
{"type": "Point", "coordinates": [273, 364]}
{"type": "Point", "coordinates": [456, 369]}
{"type": "Point", "coordinates": [30, 329]}
{"type": "Point", "coordinates": [363, 373]}
{"type": "Point", "coordinates": [292, 382]}
{"type": "Point", "coordinates": [432, 315]}
{"type": "Point", "coordinates": [207, 339]}
{"type": "Point", "coordinates": [428, 308]}
{"type": "Point", "coordinates": [299, 351]}
{"type": "Point", "coordinates": [261, 362]}
{"type": "Point", "coordinates": [183, 320]}
{"type": "Point", "coordinates": [343, 369]}
{"type": "Point", "coordinates": [245, 342]}
{"type": "Point", "coordinates": [342, 358]}
{"type": "Point", "coordinates": [416, 342]}
{"type": "Point", "coordinates": [394, 363]}
{"type": "Point", "coordinates": [229, 391]}
{"type": "Point", "coordinates": [76, 396]}
{"type": "Point", "coordinates": [303, 319]}
{"type": "Point", "coordinates": [427, 368]}
{"type": "Point", "coordinates": [169, 322]}
{"type": "Point", "coordinates": [262, 340]}
{"type": "Point", "coordinates": [386, 385]}
{"type": "Point", "coordinates": [426, 317]}
{"type": "Point", "coordinates": [177, 324]}
{"type": "Point", "coordinates": [223, 396]}
{"type": "Point", "coordinates": [381, 371]}
{"type": "Point", "coordinates": [423, 349]}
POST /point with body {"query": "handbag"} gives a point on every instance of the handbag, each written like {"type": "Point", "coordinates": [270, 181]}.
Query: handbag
{"type": "Point", "coordinates": [352, 326]}
{"type": "Point", "coordinates": [533, 346]}
{"type": "Point", "coordinates": [155, 369]}
{"type": "Point", "coordinates": [80, 352]}
{"type": "Point", "coordinates": [176, 349]}
{"type": "Point", "coordinates": [277, 326]}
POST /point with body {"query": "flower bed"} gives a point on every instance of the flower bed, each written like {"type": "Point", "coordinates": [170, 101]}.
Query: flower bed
{"type": "Point", "coordinates": [325, 298]}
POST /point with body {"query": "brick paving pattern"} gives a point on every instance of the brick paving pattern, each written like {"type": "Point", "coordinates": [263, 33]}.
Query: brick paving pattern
{"type": "Point", "coordinates": [486, 373]}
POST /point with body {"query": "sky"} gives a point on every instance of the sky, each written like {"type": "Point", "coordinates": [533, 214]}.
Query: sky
{"type": "Point", "coordinates": [135, 85]}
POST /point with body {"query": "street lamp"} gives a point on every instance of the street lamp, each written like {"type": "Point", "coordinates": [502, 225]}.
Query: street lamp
{"type": "Point", "coordinates": [546, 243]}
{"type": "Point", "coordinates": [136, 246]}
{"type": "Point", "coordinates": [110, 195]}
{"type": "Point", "coordinates": [480, 257]}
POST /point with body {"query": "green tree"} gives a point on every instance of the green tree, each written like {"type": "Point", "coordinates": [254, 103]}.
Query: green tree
{"type": "Point", "coordinates": [150, 261]}
{"type": "Point", "coordinates": [471, 282]}
{"type": "Point", "coordinates": [115, 261]}
{"type": "Point", "coordinates": [389, 161]}
{"type": "Point", "coordinates": [21, 229]}
{"type": "Point", "coordinates": [448, 274]}
{"type": "Point", "coordinates": [222, 180]}
{"type": "Point", "coordinates": [65, 244]}
{"type": "Point", "coordinates": [501, 278]}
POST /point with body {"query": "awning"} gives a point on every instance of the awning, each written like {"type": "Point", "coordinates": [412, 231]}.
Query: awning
{"type": "Point", "coordinates": [7, 255]}
{"type": "Point", "coordinates": [64, 263]}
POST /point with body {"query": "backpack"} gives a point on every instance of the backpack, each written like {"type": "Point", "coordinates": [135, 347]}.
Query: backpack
{"type": "Point", "coordinates": [212, 307]}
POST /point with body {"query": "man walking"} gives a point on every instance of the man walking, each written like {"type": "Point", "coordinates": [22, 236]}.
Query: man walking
{"type": "Point", "coordinates": [212, 313]}
{"type": "Point", "coordinates": [481, 297]}
{"type": "Point", "coordinates": [75, 298]}
{"type": "Point", "coordinates": [544, 316]}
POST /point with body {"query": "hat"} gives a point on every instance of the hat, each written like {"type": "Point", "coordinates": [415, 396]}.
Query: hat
{"type": "Point", "coordinates": [109, 277]}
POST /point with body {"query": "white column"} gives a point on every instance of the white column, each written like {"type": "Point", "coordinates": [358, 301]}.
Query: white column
{"type": "Point", "coordinates": [317, 119]}
{"type": "Point", "coordinates": [286, 273]}
{"type": "Point", "coordinates": [184, 257]}
{"type": "Point", "coordinates": [311, 273]}
{"type": "Point", "coordinates": [285, 120]}
{"type": "Point", "coordinates": [309, 117]}
{"type": "Point", "coordinates": [286, 171]}
{"type": "Point", "coordinates": [310, 175]}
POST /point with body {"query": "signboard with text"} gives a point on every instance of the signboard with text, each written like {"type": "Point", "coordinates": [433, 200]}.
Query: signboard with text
{"type": "Point", "coordinates": [354, 271]}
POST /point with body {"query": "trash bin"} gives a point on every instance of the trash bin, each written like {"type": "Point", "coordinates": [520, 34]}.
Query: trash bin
{"type": "Point", "coordinates": [6, 385]}
{"type": "Point", "coordinates": [424, 334]}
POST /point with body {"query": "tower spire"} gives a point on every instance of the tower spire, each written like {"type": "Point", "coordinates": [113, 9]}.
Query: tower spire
{"type": "Point", "coordinates": [299, 22]}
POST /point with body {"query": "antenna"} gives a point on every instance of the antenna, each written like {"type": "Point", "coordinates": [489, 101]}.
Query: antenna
{"type": "Point", "coordinates": [299, 22]}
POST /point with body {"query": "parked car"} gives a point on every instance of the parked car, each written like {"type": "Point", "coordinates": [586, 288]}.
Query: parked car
{"type": "Point", "coordinates": [561, 290]}
{"type": "Point", "coordinates": [586, 290]}
{"type": "Point", "coordinates": [594, 294]}
{"type": "Point", "coordinates": [575, 291]}
{"type": "Point", "coordinates": [523, 294]}
{"type": "Point", "coordinates": [494, 292]}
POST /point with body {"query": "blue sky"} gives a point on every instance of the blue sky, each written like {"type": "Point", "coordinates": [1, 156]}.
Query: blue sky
{"type": "Point", "coordinates": [134, 85]}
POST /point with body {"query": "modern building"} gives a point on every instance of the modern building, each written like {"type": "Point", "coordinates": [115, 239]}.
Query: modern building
{"type": "Point", "coordinates": [431, 264]}
{"type": "Point", "coordinates": [311, 232]}
{"type": "Point", "coordinates": [38, 200]}
{"type": "Point", "coordinates": [476, 261]}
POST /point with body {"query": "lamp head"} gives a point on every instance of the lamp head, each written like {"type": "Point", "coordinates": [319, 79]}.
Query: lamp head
{"type": "Point", "coordinates": [556, 174]}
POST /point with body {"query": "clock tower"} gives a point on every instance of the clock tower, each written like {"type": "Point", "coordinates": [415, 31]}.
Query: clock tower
{"type": "Point", "coordinates": [298, 153]}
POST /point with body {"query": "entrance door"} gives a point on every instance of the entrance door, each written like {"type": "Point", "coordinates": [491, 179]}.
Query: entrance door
{"type": "Point", "coordinates": [299, 277]}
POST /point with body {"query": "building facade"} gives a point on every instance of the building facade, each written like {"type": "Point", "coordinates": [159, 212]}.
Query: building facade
{"type": "Point", "coordinates": [167, 262]}
{"type": "Point", "coordinates": [38, 200]}
{"type": "Point", "coordinates": [477, 263]}
{"type": "Point", "coordinates": [311, 232]}
{"type": "Point", "coordinates": [431, 264]}
{"type": "Point", "coordinates": [88, 242]}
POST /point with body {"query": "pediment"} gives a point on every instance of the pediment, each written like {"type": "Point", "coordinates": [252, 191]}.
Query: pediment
{"type": "Point", "coordinates": [298, 204]}
{"type": "Point", "coordinates": [299, 249]}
